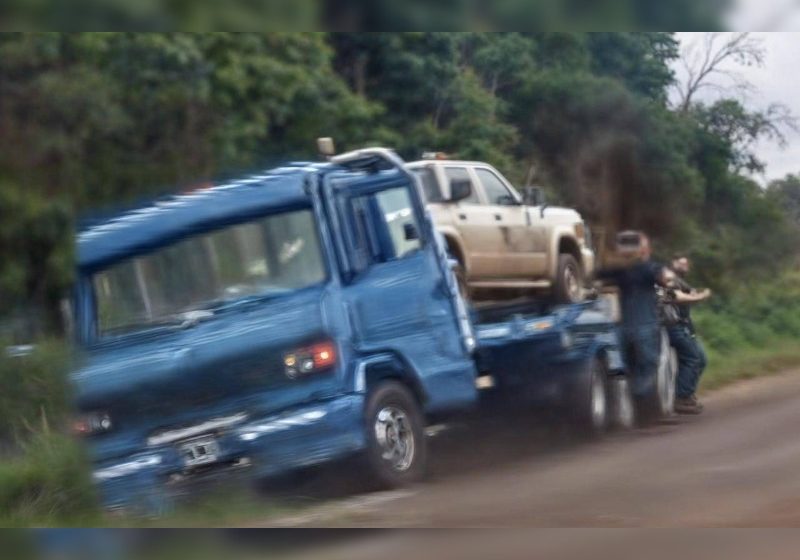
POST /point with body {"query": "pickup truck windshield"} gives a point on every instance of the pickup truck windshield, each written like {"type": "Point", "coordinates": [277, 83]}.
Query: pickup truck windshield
{"type": "Point", "coordinates": [270, 256]}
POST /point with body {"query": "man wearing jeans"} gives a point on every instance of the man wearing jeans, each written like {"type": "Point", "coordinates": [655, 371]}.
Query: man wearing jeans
{"type": "Point", "coordinates": [639, 308]}
{"type": "Point", "coordinates": [691, 357]}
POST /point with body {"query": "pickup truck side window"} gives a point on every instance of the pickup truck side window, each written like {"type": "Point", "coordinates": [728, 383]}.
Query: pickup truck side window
{"type": "Point", "coordinates": [496, 191]}
{"type": "Point", "coordinates": [385, 227]}
{"type": "Point", "coordinates": [462, 174]}
{"type": "Point", "coordinates": [430, 186]}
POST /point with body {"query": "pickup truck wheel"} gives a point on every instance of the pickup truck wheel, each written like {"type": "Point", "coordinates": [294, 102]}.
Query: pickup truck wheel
{"type": "Point", "coordinates": [568, 287]}
{"type": "Point", "coordinates": [396, 448]}
{"type": "Point", "coordinates": [591, 406]}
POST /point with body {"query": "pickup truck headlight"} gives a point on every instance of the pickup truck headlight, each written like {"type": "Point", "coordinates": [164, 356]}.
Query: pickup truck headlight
{"type": "Point", "coordinates": [580, 231]}
{"type": "Point", "coordinates": [310, 359]}
{"type": "Point", "coordinates": [92, 424]}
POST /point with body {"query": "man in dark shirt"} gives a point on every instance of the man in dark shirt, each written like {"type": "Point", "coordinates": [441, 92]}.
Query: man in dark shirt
{"type": "Point", "coordinates": [691, 357]}
{"type": "Point", "coordinates": [641, 328]}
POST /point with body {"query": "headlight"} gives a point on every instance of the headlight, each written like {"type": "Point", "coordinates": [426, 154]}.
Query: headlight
{"type": "Point", "coordinates": [311, 359]}
{"type": "Point", "coordinates": [92, 423]}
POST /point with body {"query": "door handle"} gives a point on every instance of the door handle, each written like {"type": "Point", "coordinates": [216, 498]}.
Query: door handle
{"type": "Point", "coordinates": [462, 216]}
{"type": "Point", "coordinates": [498, 217]}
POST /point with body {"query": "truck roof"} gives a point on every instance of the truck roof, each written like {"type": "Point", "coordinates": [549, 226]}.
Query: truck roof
{"type": "Point", "coordinates": [165, 220]}
{"type": "Point", "coordinates": [422, 162]}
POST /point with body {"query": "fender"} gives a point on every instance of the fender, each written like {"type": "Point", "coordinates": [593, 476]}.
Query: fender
{"type": "Point", "coordinates": [390, 366]}
{"type": "Point", "coordinates": [453, 238]}
{"type": "Point", "coordinates": [557, 234]}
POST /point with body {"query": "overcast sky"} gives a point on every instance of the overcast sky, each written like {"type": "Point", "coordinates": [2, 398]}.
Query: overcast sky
{"type": "Point", "coordinates": [777, 81]}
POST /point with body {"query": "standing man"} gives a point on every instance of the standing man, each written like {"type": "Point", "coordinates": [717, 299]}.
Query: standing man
{"type": "Point", "coordinates": [641, 327]}
{"type": "Point", "coordinates": [682, 336]}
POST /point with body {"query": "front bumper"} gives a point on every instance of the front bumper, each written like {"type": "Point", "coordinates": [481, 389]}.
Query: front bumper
{"type": "Point", "coordinates": [299, 437]}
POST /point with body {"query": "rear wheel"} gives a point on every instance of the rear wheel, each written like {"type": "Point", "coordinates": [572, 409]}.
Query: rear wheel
{"type": "Point", "coordinates": [660, 403]}
{"type": "Point", "coordinates": [568, 287]}
{"type": "Point", "coordinates": [622, 414]}
{"type": "Point", "coordinates": [591, 403]}
{"type": "Point", "coordinates": [396, 448]}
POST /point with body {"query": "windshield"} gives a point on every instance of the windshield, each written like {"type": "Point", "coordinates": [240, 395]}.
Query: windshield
{"type": "Point", "coordinates": [269, 256]}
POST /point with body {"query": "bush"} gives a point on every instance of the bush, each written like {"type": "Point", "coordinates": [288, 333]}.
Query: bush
{"type": "Point", "coordinates": [48, 483]}
{"type": "Point", "coordinates": [44, 475]}
{"type": "Point", "coordinates": [35, 391]}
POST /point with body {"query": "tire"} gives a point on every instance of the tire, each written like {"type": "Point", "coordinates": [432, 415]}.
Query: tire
{"type": "Point", "coordinates": [591, 402]}
{"type": "Point", "coordinates": [660, 403]}
{"type": "Point", "coordinates": [622, 412]}
{"type": "Point", "coordinates": [568, 286]}
{"type": "Point", "coordinates": [396, 453]}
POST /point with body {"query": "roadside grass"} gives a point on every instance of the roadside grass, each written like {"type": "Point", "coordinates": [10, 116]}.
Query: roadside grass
{"type": "Point", "coordinates": [221, 505]}
{"type": "Point", "coordinates": [746, 363]}
{"type": "Point", "coordinates": [751, 333]}
{"type": "Point", "coordinates": [47, 484]}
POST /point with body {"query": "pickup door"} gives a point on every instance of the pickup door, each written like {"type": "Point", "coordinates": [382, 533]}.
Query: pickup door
{"type": "Point", "coordinates": [477, 223]}
{"type": "Point", "coordinates": [523, 246]}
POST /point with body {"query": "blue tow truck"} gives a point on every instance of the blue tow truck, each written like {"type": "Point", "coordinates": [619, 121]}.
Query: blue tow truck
{"type": "Point", "coordinates": [299, 316]}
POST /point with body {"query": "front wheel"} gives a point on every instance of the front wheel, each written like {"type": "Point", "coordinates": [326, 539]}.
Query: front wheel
{"type": "Point", "coordinates": [568, 287]}
{"type": "Point", "coordinates": [396, 448]}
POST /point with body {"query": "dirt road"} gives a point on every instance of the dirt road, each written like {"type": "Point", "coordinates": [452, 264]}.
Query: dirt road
{"type": "Point", "coordinates": [736, 465]}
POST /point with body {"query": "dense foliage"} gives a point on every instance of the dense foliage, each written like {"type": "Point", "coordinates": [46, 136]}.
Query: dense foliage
{"type": "Point", "coordinates": [91, 121]}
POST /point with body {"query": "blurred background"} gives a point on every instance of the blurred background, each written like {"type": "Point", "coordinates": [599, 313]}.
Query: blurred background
{"type": "Point", "coordinates": [669, 133]}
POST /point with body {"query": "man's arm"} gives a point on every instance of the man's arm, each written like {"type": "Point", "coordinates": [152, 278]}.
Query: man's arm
{"type": "Point", "coordinates": [692, 297]}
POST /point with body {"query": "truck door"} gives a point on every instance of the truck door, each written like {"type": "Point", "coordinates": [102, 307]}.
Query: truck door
{"type": "Point", "coordinates": [478, 225]}
{"type": "Point", "coordinates": [395, 289]}
{"type": "Point", "coordinates": [523, 240]}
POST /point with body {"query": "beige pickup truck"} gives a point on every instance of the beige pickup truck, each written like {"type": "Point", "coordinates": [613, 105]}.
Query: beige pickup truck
{"type": "Point", "coordinates": [503, 239]}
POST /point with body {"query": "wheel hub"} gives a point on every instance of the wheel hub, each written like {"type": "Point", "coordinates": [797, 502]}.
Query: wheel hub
{"type": "Point", "coordinates": [395, 437]}
{"type": "Point", "coordinates": [571, 282]}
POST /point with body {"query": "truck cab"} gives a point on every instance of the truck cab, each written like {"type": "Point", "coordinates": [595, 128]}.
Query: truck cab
{"type": "Point", "coordinates": [501, 239]}
{"type": "Point", "coordinates": [268, 324]}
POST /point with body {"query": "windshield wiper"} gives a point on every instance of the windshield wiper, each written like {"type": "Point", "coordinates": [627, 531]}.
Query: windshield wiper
{"type": "Point", "coordinates": [182, 320]}
{"type": "Point", "coordinates": [232, 303]}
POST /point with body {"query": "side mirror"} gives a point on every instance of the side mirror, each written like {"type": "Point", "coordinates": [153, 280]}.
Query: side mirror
{"type": "Point", "coordinates": [410, 232]}
{"type": "Point", "coordinates": [460, 189]}
{"type": "Point", "coordinates": [533, 196]}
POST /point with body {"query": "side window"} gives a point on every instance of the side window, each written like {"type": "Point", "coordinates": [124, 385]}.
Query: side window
{"type": "Point", "coordinates": [385, 226]}
{"type": "Point", "coordinates": [395, 205]}
{"type": "Point", "coordinates": [430, 186]}
{"type": "Point", "coordinates": [461, 174]}
{"type": "Point", "coordinates": [496, 191]}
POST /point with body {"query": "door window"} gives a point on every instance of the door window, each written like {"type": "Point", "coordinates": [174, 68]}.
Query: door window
{"type": "Point", "coordinates": [496, 191]}
{"type": "Point", "coordinates": [462, 174]}
{"type": "Point", "coordinates": [385, 227]}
